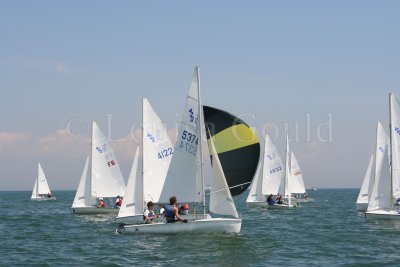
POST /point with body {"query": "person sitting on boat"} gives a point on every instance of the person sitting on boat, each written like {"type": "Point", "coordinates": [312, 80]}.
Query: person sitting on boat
{"type": "Point", "coordinates": [279, 199]}
{"type": "Point", "coordinates": [118, 202]}
{"type": "Point", "coordinates": [49, 195]}
{"type": "Point", "coordinates": [398, 202]}
{"type": "Point", "coordinates": [184, 209]}
{"type": "Point", "coordinates": [305, 195]}
{"type": "Point", "coordinates": [149, 215]}
{"type": "Point", "coordinates": [172, 212]}
{"type": "Point", "coordinates": [102, 203]}
{"type": "Point", "coordinates": [270, 200]}
{"type": "Point", "coordinates": [162, 209]}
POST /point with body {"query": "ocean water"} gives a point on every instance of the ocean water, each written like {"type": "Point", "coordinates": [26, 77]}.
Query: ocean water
{"type": "Point", "coordinates": [325, 232]}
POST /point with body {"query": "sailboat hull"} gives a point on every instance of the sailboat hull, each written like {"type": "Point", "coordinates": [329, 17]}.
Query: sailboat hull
{"type": "Point", "coordinates": [382, 215]}
{"type": "Point", "coordinates": [362, 206]}
{"type": "Point", "coordinates": [43, 198]}
{"type": "Point", "coordinates": [93, 210]}
{"type": "Point", "coordinates": [214, 225]}
{"type": "Point", "coordinates": [257, 204]}
{"type": "Point", "coordinates": [281, 206]}
{"type": "Point", "coordinates": [134, 219]}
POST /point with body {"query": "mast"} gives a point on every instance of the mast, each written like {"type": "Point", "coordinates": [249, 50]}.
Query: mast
{"type": "Point", "coordinates": [142, 153]}
{"type": "Point", "coordinates": [391, 146]}
{"type": "Point", "coordinates": [200, 112]}
{"type": "Point", "coordinates": [37, 181]}
{"type": "Point", "coordinates": [91, 165]}
{"type": "Point", "coordinates": [287, 173]}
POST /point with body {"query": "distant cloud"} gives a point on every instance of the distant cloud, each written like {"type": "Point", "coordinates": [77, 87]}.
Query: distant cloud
{"type": "Point", "coordinates": [62, 144]}
{"type": "Point", "coordinates": [39, 64]}
{"type": "Point", "coordinates": [7, 140]}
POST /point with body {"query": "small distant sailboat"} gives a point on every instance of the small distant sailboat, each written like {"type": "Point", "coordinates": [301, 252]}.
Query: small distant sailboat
{"type": "Point", "coordinates": [268, 176]}
{"type": "Point", "coordinates": [384, 199]}
{"type": "Point", "coordinates": [101, 179]}
{"type": "Point", "coordinates": [285, 188]}
{"type": "Point", "coordinates": [41, 190]}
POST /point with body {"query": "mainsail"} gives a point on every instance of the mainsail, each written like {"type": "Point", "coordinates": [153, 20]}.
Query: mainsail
{"type": "Point", "coordinates": [183, 176]}
{"type": "Point", "coordinates": [107, 180]}
{"type": "Point", "coordinates": [157, 153]}
{"type": "Point", "coordinates": [381, 197]}
{"type": "Point", "coordinates": [297, 182]}
{"type": "Point", "coordinates": [273, 168]}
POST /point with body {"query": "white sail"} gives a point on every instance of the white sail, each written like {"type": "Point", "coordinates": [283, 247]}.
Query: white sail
{"type": "Point", "coordinates": [83, 196]}
{"type": "Point", "coordinates": [157, 153]}
{"type": "Point", "coordinates": [34, 191]}
{"type": "Point", "coordinates": [297, 182]}
{"type": "Point", "coordinates": [285, 187]}
{"type": "Point", "coordinates": [255, 194]}
{"type": "Point", "coordinates": [133, 200]}
{"type": "Point", "coordinates": [273, 169]}
{"type": "Point", "coordinates": [382, 141]}
{"type": "Point", "coordinates": [395, 144]}
{"type": "Point", "coordinates": [182, 177]}
{"type": "Point", "coordinates": [363, 195]}
{"type": "Point", "coordinates": [221, 201]}
{"type": "Point", "coordinates": [41, 186]}
{"type": "Point", "coordinates": [107, 180]}
{"type": "Point", "coordinates": [381, 197]}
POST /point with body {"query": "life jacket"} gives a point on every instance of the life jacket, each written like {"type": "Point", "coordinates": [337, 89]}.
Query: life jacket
{"type": "Point", "coordinates": [169, 212]}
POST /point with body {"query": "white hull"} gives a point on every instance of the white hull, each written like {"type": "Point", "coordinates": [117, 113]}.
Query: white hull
{"type": "Point", "coordinates": [302, 199]}
{"type": "Point", "coordinates": [134, 219]}
{"type": "Point", "coordinates": [257, 204]}
{"type": "Point", "coordinates": [280, 206]}
{"type": "Point", "coordinates": [43, 198]}
{"type": "Point", "coordinates": [362, 206]}
{"type": "Point", "coordinates": [214, 225]}
{"type": "Point", "coordinates": [93, 210]}
{"type": "Point", "coordinates": [382, 215]}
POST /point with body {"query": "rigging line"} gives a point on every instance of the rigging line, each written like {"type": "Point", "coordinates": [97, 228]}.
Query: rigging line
{"type": "Point", "coordinates": [228, 188]}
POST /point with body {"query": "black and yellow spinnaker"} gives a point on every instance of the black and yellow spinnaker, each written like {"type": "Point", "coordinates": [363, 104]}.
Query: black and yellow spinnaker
{"type": "Point", "coordinates": [237, 145]}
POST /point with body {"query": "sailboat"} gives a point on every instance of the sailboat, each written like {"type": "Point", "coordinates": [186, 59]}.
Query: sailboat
{"type": "Point", "coordinates": [362, 200]}
{"type": "Point", "coordinates": [149, 168]}
{"type": "Point", "coordinates": [285, 188]}
{"type": "Point", "coordinates": [374, 171]}
{"type": "Point", "coordinates": [101, 178]}
{"type": "Point", "coordinates": [383, 202]}
{"type": "Point", "coordinates": [185, 178]}
{"type": "Point", "coordinates": [41, 190]}
{"type": "Point", "coordinates": [271, 175]}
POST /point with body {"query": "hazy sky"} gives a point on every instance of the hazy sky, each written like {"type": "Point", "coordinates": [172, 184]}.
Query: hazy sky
{"type": "Point", "coordinates": [331, 63]}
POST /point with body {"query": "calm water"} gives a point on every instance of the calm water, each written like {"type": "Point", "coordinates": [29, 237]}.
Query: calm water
{"type": "Point", "coordinates": [326, 232]}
